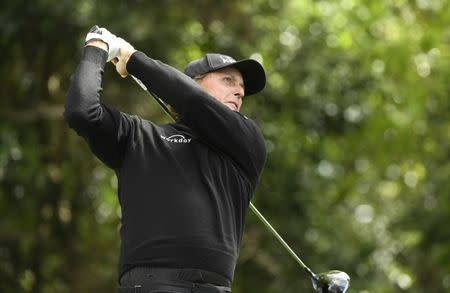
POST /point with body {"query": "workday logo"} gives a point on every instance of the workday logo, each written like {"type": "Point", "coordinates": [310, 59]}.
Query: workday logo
{"type": "Point", "coordinates": [176, 138]}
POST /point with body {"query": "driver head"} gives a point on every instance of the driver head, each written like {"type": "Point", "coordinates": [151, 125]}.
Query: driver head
{"type": "Point", "coordinates": [331, 282]}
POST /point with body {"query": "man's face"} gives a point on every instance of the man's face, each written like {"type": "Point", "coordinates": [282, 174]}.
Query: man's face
{"type": "Point", "coordinates": [226, 85]}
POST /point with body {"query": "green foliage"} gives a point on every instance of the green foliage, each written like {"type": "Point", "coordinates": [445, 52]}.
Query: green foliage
{"type": "Point", "coordinates": [355, 115]}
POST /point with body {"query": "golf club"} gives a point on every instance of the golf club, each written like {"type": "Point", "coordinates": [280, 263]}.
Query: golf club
{"type": "Point", "coordinates": [328, 282]}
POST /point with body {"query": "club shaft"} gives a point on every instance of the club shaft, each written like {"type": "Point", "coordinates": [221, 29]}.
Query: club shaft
{"type": "Point", "coordinates": [252, 207]}
{"type": "Point", "coordinates": [280, 239]}
{"type": "Point", "coordinates": [158, 99]}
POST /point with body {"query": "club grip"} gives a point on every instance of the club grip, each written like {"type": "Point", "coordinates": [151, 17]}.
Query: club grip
{"type": "Point", "coordinates": [94, 29]}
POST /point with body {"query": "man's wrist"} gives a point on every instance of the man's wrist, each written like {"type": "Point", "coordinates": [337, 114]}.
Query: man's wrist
{"type": "Point", "coordinates": [127, 55]}
{"type": "Point", "coordinates": [98, 43]}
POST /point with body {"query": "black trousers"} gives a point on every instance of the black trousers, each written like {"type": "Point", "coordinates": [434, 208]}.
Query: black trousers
{"type": "Point", "coordinates": [164, 280]}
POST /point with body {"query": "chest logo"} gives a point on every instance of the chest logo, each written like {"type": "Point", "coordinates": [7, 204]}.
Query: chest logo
{"type": "Point", "coordinates": [176, 138]}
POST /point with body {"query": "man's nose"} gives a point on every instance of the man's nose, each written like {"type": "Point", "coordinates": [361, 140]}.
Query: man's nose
{"type": "Point", "coordinates": [239, 92]}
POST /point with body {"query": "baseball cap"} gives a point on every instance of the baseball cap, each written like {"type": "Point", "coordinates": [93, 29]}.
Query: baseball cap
{"type": "Point", "coordinates": [252, 71]}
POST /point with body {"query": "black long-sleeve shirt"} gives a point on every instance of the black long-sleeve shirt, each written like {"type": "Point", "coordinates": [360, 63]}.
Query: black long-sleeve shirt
{"type": "Point", "coordinates": [184, 187]}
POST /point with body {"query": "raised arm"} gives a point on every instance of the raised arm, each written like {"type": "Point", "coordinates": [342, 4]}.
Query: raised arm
{"type": "Point", "coordinates": [102, 127]}
{"type": "Point", "coordinates": [224, 129]}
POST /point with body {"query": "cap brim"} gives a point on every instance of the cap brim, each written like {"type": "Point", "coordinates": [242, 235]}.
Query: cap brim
{"type": "Point", "coordinates": [252, 73]}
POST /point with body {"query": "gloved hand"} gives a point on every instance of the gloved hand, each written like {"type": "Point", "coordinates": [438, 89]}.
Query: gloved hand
{"type": "Point", "coordinates": [113, 42]}
{"type": "Point", "coordinates": [125, 52]}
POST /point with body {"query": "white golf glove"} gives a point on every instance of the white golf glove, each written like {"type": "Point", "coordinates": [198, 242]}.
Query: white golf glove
{"type": "Point", "coordinates": [113, 42]}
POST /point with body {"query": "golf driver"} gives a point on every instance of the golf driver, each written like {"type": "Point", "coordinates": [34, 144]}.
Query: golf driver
{"type": "Point", "coordinates": [328, 282]}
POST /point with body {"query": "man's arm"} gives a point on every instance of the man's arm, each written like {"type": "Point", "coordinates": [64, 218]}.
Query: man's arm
{"type": "Point", "coordinates": [222, 128]}
{"type": "Point", "coordinates": [102, 127]}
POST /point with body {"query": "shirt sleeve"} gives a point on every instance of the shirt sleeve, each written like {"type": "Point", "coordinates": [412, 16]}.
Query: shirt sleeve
{"type": "Point", "coordinates": [105, 129]}
{"type": "Point", "coordinates": [223, 129]}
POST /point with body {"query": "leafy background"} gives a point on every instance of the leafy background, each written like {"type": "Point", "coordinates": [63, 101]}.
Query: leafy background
{"type": "Point", "coordinates": [355, 115]}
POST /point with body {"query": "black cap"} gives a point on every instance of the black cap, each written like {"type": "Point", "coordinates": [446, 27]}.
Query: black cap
{"type": "Point", "coordinates": [252, 72]}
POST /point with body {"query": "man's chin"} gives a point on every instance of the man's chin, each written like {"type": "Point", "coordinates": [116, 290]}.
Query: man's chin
{"type": "Point", "coordinates": [232, 107]}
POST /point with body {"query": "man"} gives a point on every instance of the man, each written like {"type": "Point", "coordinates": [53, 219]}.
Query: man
{"type": "Point", "coordinates": [184, 187]}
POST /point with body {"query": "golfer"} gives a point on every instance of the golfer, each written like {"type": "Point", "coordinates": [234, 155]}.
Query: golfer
{"type": "Point", "coordinates": [184, 187]}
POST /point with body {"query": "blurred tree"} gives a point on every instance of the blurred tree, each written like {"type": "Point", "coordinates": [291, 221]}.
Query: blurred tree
{"type": "Point", "coordinates": [355, 117]}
